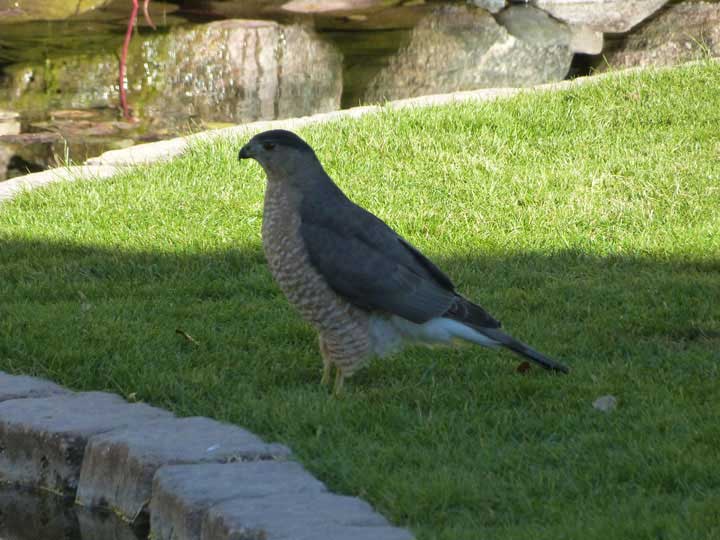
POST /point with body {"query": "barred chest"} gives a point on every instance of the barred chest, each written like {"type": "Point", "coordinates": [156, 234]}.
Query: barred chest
{"type": "Point", "coordinates": [290, 264]}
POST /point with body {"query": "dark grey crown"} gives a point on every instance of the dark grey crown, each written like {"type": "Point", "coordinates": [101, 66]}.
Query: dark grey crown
{"type": "Point", "coordinates": [284, 138]}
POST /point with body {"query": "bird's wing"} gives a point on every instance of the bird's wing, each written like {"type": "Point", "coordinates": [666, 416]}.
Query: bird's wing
{"type": "Point", "coordinates": [366, 262]}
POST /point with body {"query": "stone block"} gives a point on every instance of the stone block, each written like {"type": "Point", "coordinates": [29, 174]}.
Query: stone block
{"type": "Point", "coordinates": [182, 494]}
{"type": "Point", "coordinates": [311, 516]}
{"type": "Point", "coordinates": [21, 386]}
{"type": "Point", "coordinates": [42, 441]}
{"type": "Point", "coordinates": [119, 465]}
{"type": "Point", "coordinates": [254, 500]}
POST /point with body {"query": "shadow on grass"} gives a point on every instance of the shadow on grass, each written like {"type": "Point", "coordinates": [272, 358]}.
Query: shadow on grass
{"type": "Point", "coordinates": [644, 329]}
{"type": "Point", "coordinates": [75, 307]}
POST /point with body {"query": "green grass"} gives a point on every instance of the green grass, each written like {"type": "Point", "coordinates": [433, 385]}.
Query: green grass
{"type": "Point", "coordinates": [588, 221]}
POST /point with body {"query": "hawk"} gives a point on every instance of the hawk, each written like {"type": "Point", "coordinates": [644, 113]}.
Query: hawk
{"type": "Point", "coordinates": [366, 289]}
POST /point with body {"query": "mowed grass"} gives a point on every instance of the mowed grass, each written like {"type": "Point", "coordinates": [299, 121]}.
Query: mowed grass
{"type": "Point", "coordinates": [588, 221]}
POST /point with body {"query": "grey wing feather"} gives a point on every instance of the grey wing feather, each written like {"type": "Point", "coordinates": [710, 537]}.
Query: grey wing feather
{"type": "Point", "coordinates": [430, 266]}
{"type": "Point", "coordinates": [372, 275]}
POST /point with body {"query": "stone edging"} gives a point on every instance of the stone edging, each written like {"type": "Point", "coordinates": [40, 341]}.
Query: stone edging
{"type": "Point", "coordinates": [191, 478]}
{"type": "Point", "coordinates": [108, 164]}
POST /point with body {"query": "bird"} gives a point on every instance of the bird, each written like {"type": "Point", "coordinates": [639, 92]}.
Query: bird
{"type": "Point", "coordinates": [366, 290]}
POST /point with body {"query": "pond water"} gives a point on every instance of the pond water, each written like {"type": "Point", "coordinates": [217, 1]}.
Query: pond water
{"type": "Point", "coordinates": [29, 515]}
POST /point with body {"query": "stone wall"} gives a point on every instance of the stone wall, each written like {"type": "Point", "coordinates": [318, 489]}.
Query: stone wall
{"type": "Point", "coordinates": [187, 478]}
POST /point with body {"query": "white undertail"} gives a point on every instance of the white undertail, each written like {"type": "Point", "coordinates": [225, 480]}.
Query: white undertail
{"type": "Point", "coordinates": [390, 334]}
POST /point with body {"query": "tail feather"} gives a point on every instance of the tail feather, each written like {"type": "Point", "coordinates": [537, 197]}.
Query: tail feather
{"type": "Point", "coordinates": [488, 332]}
{"type": "Point", "coordinates": [520, 348]}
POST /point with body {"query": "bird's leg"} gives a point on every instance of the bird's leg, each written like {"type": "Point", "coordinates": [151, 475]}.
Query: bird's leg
{"type": "Point", "coordinates": [327, 363]}
{"type": "Point", "coordinates": [327, 368]}
{"type": "Point", "coordinates": [339, 379]}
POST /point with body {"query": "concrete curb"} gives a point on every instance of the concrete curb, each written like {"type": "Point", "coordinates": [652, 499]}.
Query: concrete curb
{"type": "Point", "coordinates": [107, 164]}
{"type": "Point", "coordinates": [189, 478]}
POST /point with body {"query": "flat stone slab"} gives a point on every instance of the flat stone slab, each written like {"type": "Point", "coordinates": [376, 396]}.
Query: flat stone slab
{"type": "Point", "coordinates": [261, 499]}
{"type": "Point", "coordinates": [42, 440]}
{"type": "Point", "coordinates": [118, 467]}
{"type": "Point", "coordinates": [22, 386]}
{"type": "Point", "coordinates": [182, 494]}
{"type": "Point", "coordinates": [311, 516]}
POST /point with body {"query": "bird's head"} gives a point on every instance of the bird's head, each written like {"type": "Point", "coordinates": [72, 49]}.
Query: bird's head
{"type": "Point", "coordinates": [282, 154]}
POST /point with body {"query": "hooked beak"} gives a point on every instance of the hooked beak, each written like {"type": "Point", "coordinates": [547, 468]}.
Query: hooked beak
{"type": "Point", "coordinates": [245, 152]}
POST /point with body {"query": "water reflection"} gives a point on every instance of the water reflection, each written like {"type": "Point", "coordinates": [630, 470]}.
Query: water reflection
{"type": "Point", "coordinates": [29, 515]}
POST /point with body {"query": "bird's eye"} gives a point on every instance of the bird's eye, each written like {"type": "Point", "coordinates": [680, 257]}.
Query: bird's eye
{"type": "Point", "coordinates": [268, 145]}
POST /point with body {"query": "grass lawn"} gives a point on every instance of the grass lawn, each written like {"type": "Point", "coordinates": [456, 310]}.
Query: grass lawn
{"type": "Point", "coordinates": [588, 221]}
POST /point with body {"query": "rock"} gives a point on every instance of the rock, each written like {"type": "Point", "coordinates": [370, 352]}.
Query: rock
{"type": "Point", "coordinates": [9, 123]}
{"type": "Point", "coordinates": [43, 439]}
{"type": "Point", "coordinates": [493, 6]}
{"type": "Point", "coordinates": [6, 154]}
{"type": "Point", "coordinates": [39, 137]}
{"type": "Point", "coordinates": [534, 26]}
{"type": "Point", "coordinates": [463, 48]}
{"type": "Point", "coordinates": [585, 40]}
{"type": "Point", "coordinates": [233, 70]}
{"type": "Point", "coordinates": [605, 403]}
{"type": "Point", "coordinates": [680, 33]}
{"type": "Point", "coordinates": [21, 386]}
{"type": "Point", "coordinates": [363, 33]}
{"type": "Point", "coordinates": [118, 467]}
{"type": "Point", "coordinates": [601, 15]}
{"type": "Point", "coordinates": [14, 11]}
{"type": "Point", "coordinates": [243, 70]}
{"type": "Point", "coordinates": [307, 517]}
{"type": "Point", "coordinates": [262, 499]}
{"type": "Point", "coordinates": [182, 494]}
{"type": "Point", "coordinates": [337, 7]}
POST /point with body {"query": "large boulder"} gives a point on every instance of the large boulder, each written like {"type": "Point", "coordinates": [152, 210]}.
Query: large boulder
{"type": "Point", "coordinates": [231, 71]}
{"type": "Point", "coordinates": [680, 33]}
{"type": "Point", "coordinates": [601, 15]}
{"type": "Point", "coordinates": [14, 11]}
{"type": "Point", "coordinates": [462, 48]}
{"type": "Point", "coordinates": [241, 70]}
